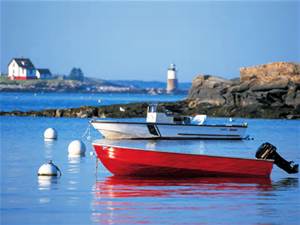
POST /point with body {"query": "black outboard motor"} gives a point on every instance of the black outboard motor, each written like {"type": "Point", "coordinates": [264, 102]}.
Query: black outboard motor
{"type": "Point", "coordinates": [268, 151]}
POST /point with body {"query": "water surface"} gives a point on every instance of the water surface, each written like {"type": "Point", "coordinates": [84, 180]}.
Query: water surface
{"type": "Point", "coordinates": [25, 101]}
{"type": "Point", "coordinates": [86, 195]}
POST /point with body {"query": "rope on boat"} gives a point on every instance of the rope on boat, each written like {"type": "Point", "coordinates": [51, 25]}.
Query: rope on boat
{"type": "Point", "coordinates": [96, 169]}
{"type": "Point", "coordinates": [87, 133]}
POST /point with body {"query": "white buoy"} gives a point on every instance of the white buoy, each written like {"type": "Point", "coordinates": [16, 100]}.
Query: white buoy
{"type": "Point", "coordinates": [49, 169]}
{"type": "Point", "coordinates": [50, 134]}
{"type": "Point", "coordinates": [76, 148]}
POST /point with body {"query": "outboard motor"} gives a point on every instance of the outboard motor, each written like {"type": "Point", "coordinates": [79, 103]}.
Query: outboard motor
{"type": "Point", "coordinates": [268, 151]}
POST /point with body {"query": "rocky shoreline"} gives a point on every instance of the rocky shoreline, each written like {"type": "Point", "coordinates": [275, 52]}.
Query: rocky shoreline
{"type": "Point", "coordinates": [89, 85]}
{"type": "Point", "coordinates": [186, 107]}
{"type": "Point", "coordinates": [111, 111]}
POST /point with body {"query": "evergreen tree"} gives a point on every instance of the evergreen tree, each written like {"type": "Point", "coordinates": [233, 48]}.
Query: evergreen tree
{"type": "Point", "coordinates": [76, 74]}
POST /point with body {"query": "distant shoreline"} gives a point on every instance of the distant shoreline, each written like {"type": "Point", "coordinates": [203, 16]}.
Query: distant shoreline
{"type": "Point", "coordinates": [138, 110]}
{"type": "Point", "coordinates": [87, 86]}
{"type": "Point", "coordinates": [153, 92]}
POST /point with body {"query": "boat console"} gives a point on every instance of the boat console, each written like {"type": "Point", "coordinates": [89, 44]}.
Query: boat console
{"type": "Point", "coordinates": [153, 116]}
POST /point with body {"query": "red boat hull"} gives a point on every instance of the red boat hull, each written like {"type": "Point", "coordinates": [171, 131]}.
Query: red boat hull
{"type": "Point", "coordinates": [125, 161]}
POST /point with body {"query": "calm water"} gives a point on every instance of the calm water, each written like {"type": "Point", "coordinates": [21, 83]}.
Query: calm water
{"type": "Point", "coordinates": [10, 101]}
{"type": "Point", "coordinates": [86, 196]}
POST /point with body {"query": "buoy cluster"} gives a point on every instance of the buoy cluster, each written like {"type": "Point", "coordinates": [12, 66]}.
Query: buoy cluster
{"type": "Point", "coordinates": [76, 148]}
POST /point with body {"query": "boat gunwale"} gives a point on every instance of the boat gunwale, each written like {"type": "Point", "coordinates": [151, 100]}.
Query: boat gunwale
{"type": "Point", "coordinates": [184, 136]}
{"type": "Point", "coordinates": [177, 153]}
{"type": "Point", "coordinates": [170, 124]}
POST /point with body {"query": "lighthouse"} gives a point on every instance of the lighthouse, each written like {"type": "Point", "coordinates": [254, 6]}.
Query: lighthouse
{"type": "Point", "coordinates": [172, 79]}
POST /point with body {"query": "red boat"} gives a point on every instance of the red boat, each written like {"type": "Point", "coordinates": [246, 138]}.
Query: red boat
{"type": "Point", "coordinates": [128, 161]}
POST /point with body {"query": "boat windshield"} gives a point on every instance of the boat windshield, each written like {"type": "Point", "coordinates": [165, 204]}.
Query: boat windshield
{"type": "Point", "coordinates": [152, 108]}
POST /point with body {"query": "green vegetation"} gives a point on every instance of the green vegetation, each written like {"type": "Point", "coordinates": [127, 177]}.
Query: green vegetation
{"type": "Point", "coordinates": [76, 74]}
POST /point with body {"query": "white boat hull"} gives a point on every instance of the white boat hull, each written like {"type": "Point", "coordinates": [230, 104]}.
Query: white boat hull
{"type": "Point", "coordinates": [136, 130]}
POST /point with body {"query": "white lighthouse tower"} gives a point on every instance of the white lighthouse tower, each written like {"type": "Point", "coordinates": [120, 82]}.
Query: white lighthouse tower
{"type": "Point", "coordinates": [172, 79]}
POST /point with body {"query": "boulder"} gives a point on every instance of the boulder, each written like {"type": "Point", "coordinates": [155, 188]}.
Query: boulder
{"type": "Point", "coordinates": [209, 89]}
{"type": "Point", "coordinates": [293, 95]}
{"type": "Point", "coordinates": [241, 87]}
{"type": "Point", "coordinates": [58, 113]}
{"type": "Point", "coordinates": [279, 84]}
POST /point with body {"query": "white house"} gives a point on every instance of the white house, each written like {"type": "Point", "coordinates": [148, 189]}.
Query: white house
{"type": "Point", "coordinates": [43, 74]}
{"type": "Point", "coordinates": [21, 69]}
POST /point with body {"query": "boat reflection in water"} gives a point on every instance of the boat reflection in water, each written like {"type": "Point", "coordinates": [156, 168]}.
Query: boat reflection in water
{"type": "Point", "coordinates": [115, 186]}
{"type": "Point", "coordinates": [121, 200]}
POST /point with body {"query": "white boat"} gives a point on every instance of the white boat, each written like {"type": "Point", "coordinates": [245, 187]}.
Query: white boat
{"type": "Point", "coordinates": [165, 125]}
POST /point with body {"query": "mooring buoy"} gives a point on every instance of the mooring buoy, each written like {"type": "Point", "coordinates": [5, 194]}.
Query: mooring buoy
{"type": "Point", "coordinates": [49, 169]}
{"type": "Point", "coordinates": [50, 134]}
{"type": "Point", "coordinates": [76, 148]}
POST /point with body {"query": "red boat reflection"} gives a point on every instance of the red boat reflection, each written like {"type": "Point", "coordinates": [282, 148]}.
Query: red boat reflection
{"type": "Point", "coordinates": [128, 200]}
{"type": "Point", "coordinates": [118, 187]}
{"type": "Point", "coordinates": [125, 161]}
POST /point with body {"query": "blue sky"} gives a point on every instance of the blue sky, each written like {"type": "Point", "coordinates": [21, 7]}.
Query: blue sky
{"type": "Point", "coordinates": [138, 40]}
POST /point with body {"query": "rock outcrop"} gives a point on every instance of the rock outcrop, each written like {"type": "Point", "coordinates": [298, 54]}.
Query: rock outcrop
{"type": "Point", "coordinates": [209, 89]}
{"type": "Point", "coordinates": [261, 90]}
{"type": "Point", "coordinates": [272, 72]}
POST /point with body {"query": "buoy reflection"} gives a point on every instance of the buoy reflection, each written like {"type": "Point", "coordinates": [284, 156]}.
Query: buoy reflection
{"type": "Point", "coordinates": [49, 146]}
{"type": "Point", "coordinates": [74, 163]}
{"type": "Point", "coordinates": [46, 182]}
{"type": "Point", "coordinates": [74, 159]}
